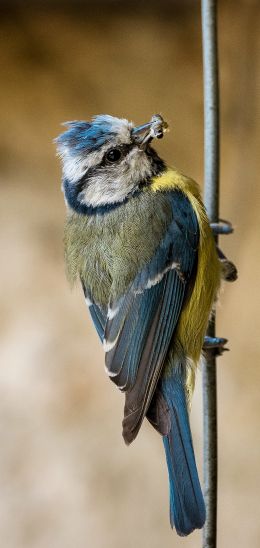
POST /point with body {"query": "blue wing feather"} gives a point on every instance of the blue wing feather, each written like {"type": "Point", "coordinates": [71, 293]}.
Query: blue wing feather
{"type": "Point", "coordinates": [142, 328]}
{"type": "Point", "coordinates": [99, 317]}
{"type": "Point", "coordinates": [123, 358]}
{"type": "Point", "coordinates": [98, 313]}
{"type": "Point", "coordinates": [153, 355]}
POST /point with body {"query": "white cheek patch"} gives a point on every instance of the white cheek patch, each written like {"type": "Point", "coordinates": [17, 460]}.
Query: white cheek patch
{"type": "Point", "coordinates": [139, 164]}
{"type": "Point", "coordinates": [114, 184]}
{"type": "Point", "coordinates": [100, 190]}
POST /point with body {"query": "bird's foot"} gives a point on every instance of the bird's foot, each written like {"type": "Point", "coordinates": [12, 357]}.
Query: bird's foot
{"type": "Point", "coordinates": [228, 270]}
{"type": "Point", "coordinates": [214, 346]}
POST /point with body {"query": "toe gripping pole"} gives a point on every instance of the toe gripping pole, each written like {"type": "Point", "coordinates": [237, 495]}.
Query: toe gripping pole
{"type": "Point", "coordinates": [213, 345]}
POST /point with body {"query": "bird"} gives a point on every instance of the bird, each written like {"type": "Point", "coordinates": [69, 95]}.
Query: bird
{"type": "Point", "coordinates": [138, 239]}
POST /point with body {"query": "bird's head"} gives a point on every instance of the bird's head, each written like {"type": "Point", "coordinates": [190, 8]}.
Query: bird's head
{"type": "Point", "coordinates": [107, 160]}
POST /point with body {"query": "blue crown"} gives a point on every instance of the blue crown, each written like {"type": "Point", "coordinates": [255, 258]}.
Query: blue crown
{"type": "Point", "coordinates": [88, 136]}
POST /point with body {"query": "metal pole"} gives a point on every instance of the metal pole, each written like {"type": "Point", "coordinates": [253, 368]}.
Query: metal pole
{"type": "Point", "coordinates": [211, 199]}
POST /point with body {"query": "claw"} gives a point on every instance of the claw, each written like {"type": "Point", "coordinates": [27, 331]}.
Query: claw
{"type": "Point", "coordinates": [214, 346]}
{"type": "Point", "coordinates": [229, 270]}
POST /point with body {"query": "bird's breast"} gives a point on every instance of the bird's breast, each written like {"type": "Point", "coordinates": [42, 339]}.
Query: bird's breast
{"type": "Point", "coordinates": [107, 251]}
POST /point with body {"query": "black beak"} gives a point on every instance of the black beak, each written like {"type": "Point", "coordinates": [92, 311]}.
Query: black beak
{"type": "Point", "coordinates": [142, 135]}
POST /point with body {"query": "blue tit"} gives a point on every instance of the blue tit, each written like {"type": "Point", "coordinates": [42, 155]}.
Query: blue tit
{"type": "Point", "coordinates": [138, 239]}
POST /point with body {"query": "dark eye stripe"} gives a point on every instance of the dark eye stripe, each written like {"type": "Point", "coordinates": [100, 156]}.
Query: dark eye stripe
{"type": "Point", "coordinates": [123, 149]}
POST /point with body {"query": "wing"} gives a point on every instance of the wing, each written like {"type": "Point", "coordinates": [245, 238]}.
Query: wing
{"type": "Point", "coordinates": [98, 313]}
{"type": "Point", "coordinates": [140, 324]}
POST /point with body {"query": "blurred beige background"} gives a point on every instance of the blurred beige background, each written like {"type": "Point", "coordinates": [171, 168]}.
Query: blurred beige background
{"type": "Point", "coordinates": [66, 478]}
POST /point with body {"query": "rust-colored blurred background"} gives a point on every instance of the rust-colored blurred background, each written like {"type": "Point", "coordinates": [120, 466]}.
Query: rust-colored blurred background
{"type": "Point", "coordinates": [66, 478]}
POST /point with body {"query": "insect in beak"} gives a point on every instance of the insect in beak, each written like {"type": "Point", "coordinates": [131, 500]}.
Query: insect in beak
{"type": "Point", "coordinates": [144, 134]}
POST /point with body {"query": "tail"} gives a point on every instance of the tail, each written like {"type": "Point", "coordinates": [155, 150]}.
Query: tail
{"type": "Point", "coordinates": [187, 508]}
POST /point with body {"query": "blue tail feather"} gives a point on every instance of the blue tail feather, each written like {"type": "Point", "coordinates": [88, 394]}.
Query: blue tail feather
{"type": "Point", "coordinates": [187, 508]}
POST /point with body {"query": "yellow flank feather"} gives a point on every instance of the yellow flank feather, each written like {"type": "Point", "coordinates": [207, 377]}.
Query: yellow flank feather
{"type": "Point", "coordinates": [195, 315]}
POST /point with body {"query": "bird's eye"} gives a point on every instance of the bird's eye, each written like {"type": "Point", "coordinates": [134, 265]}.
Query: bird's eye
{"type": "Point", "coordinates": [113, 155]}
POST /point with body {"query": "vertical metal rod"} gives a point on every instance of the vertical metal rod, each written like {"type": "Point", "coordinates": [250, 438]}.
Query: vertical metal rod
{"type": "Point", "coordinates": [211, 199]}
